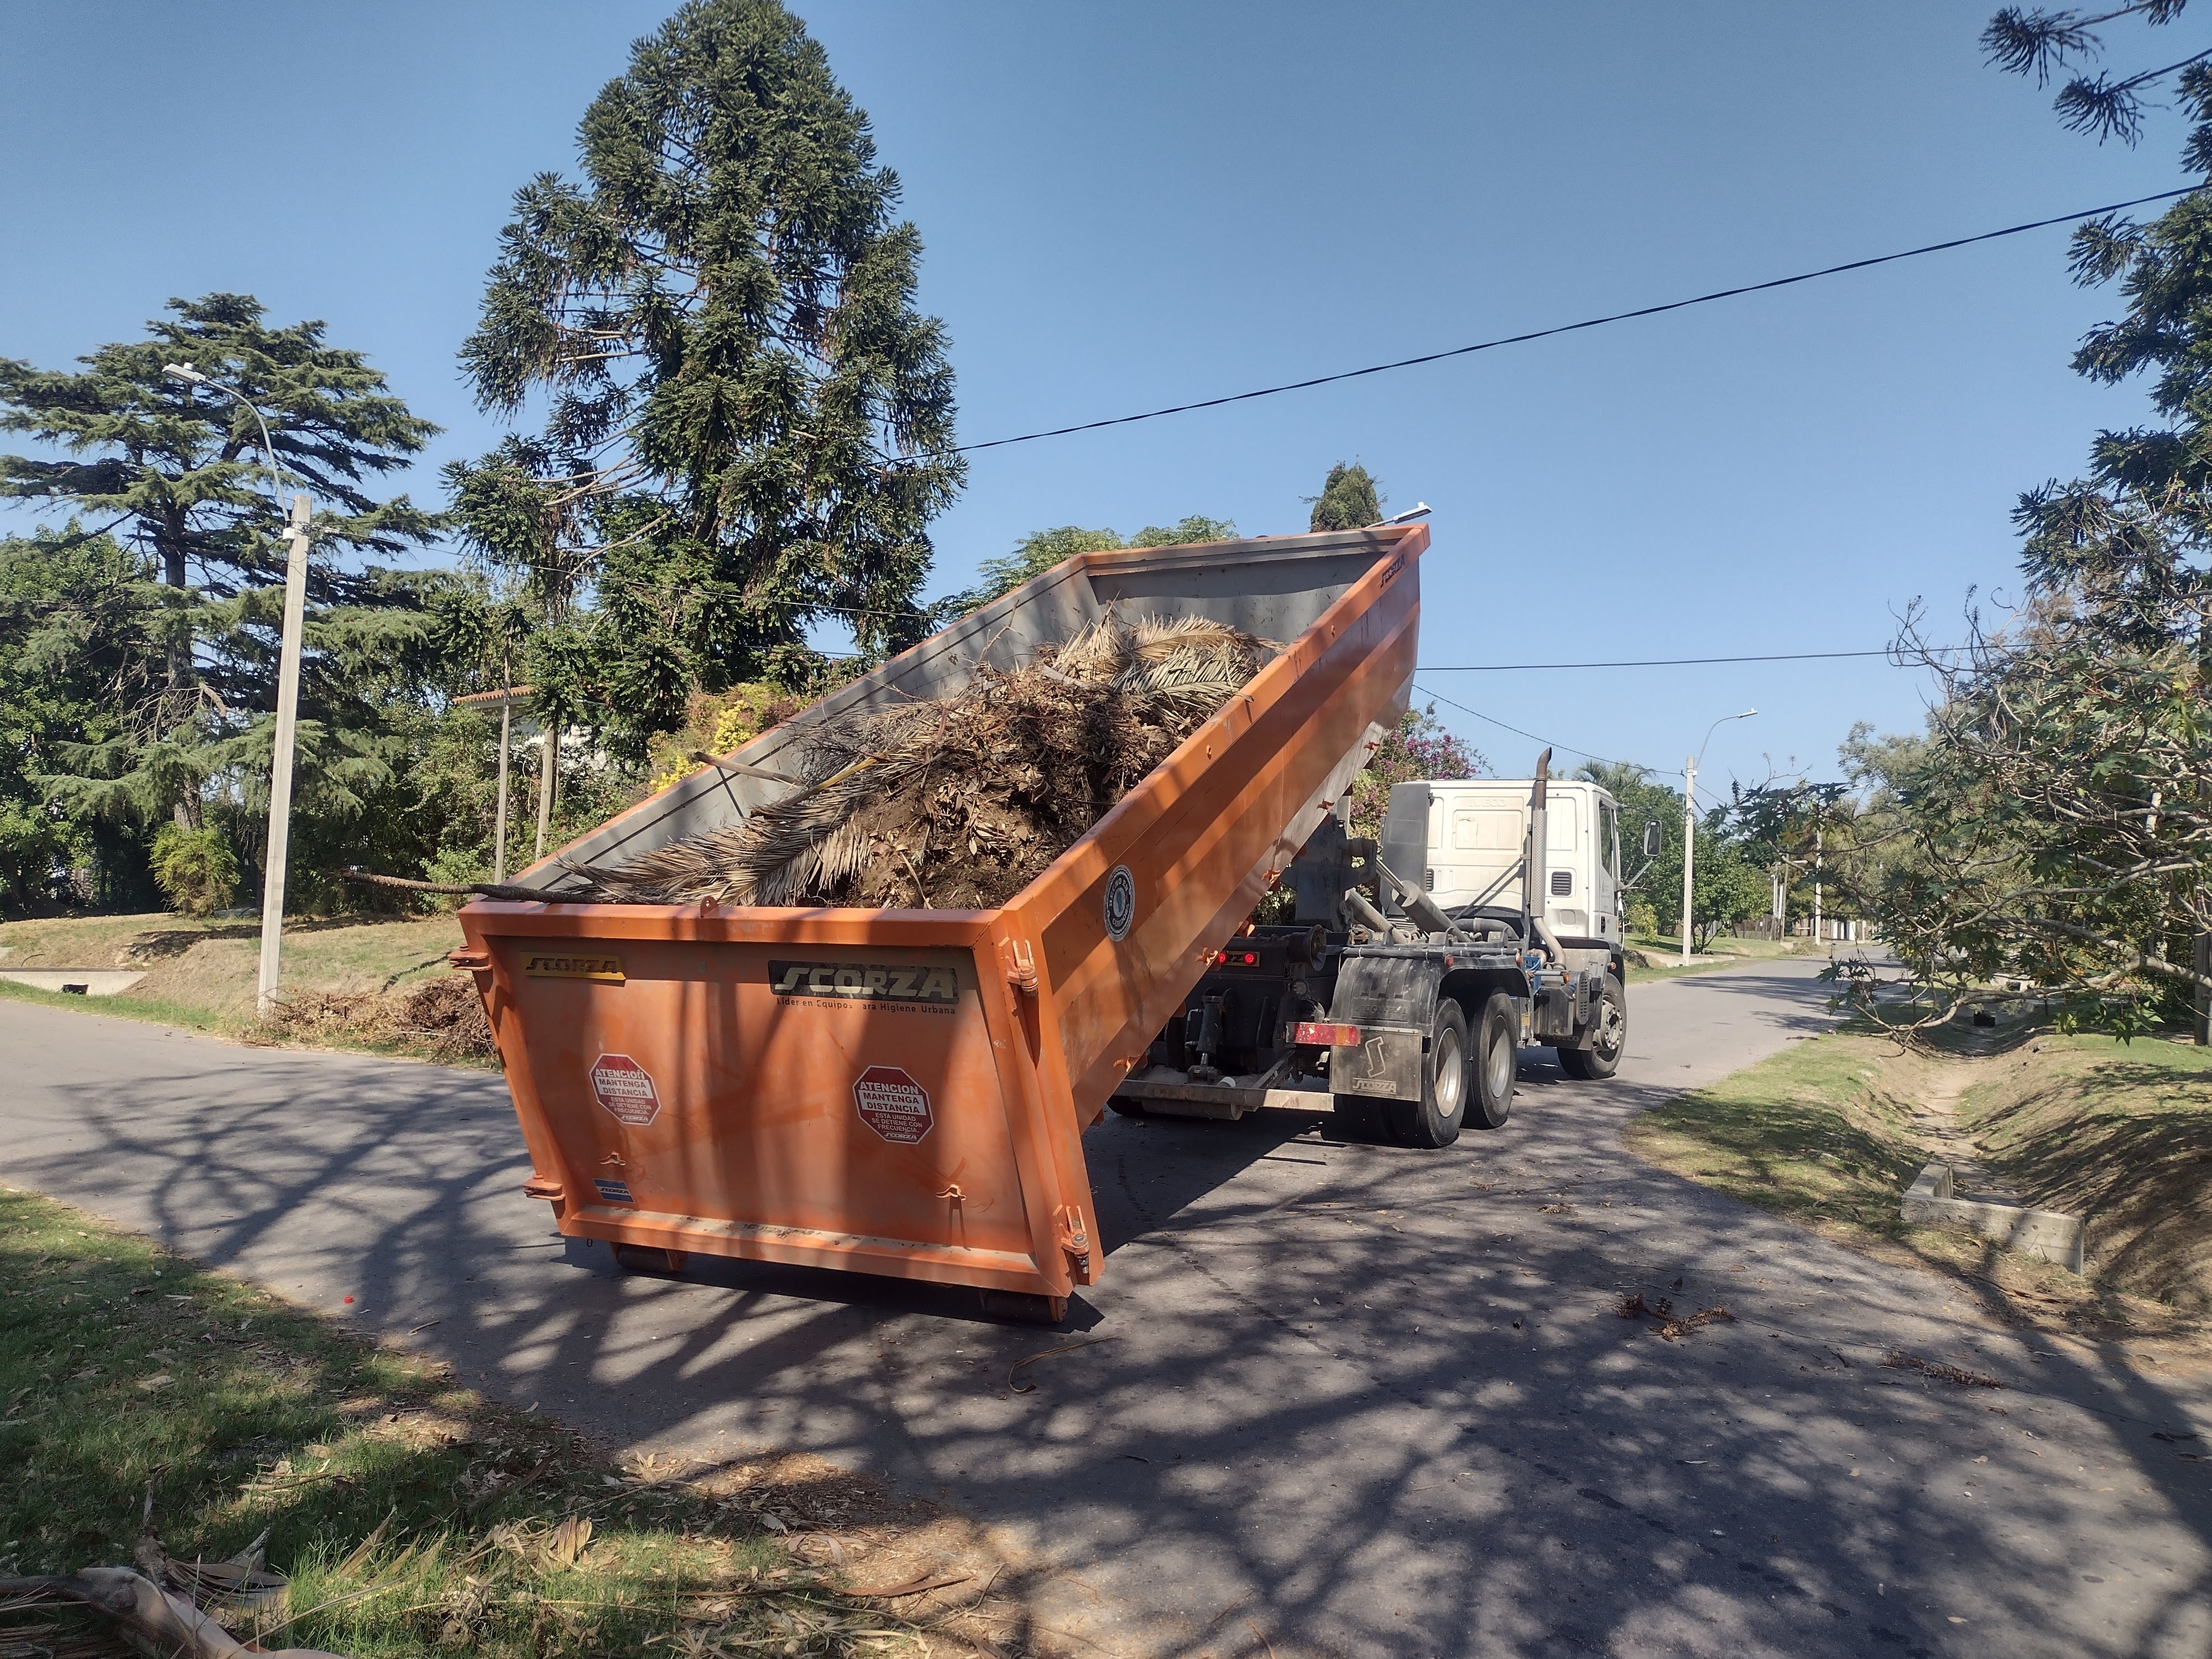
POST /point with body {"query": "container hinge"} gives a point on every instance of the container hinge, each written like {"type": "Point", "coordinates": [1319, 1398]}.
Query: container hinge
{"type": "Point", "coordinates": [1020, 962]}
{"type": "Point", "coordinates": [1074, 1240]}
{"type": "Point", "coordinates": [540, 1186]}
{"type": "Point", "coordinates": [469, 959]}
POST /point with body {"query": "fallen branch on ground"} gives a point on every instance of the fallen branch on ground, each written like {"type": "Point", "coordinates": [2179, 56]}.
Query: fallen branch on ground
{"type": "Point", "coordinates": [1688, 1322]}
{"type": "Point", "coordinates": [156, 1620]}
{"type": "Point", "coordinates": [1899, 1360]}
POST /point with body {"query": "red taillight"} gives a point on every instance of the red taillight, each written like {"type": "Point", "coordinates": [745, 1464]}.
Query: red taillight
{"type": "Point", "coordinates": [1322, 1034]}
{"type": "Point", "coordinates": [1251, 958]}
{"type": "Point", "coordinates": [1221, 958]}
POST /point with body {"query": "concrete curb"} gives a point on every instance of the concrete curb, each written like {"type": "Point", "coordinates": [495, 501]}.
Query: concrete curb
{"type": "Point", "coordinates": [2044, 1234]}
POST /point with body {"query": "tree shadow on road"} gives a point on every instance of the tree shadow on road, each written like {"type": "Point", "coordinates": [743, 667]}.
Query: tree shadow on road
{"type": "Point", "coordinates": [1359, 1399]}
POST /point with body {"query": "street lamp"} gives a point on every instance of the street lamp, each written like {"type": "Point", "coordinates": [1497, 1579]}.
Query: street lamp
{"type": "Point", "coordinates": [1690, 820]}
{"type": "Point", "coordinates": [287, 696]}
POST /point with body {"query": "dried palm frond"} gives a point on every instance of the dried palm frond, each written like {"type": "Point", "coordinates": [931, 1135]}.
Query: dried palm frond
{"type": "Point", "coordinates": [960, 801]}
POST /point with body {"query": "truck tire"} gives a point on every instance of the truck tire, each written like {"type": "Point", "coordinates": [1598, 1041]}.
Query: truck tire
{"type": "Point", "coordinates": [1434, 1119]}
{"type": "Point", "coordinates": [1357, 1118]}
{"type": "Point", "coordinates": [1494, 1064]}
{"type": "Point", "coordinates": [1602, 1058]}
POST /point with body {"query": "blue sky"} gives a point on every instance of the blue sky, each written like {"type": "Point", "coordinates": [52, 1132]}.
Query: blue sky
{"type": "Point", "coordinates": [1129, 205]}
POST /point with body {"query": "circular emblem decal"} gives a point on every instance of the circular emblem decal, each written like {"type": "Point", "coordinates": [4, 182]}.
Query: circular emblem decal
{"type": "Point", "coordinates": [1120, 902]}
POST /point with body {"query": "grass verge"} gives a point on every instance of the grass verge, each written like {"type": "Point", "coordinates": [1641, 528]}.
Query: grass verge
{"type": "Point", "coordinates": [2118, 1133]}
{"type": "Point", "coordinates": [1830, 1132]}
{"type": "Point", "coordinates": [411, 1516]}
{"type": "Point", "coordinates": [377, 985]}
{"type": "Point", "coordinates": [1662, 956]}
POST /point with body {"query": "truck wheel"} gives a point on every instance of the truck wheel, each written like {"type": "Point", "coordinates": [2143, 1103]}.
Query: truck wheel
{"type": "Point", "coordinates": [1434, 1119]}
{"type": "Point", "coordinates": [1602, 1058]}
{"type": "Point", "coordinates": [1357, 1118]}
{"type": "Point", "coordinates": [1496, 1061]}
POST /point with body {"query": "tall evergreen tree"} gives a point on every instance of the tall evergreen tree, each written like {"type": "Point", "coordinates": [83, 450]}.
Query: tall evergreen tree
{"type": "Point", "coordinates": [178, 475]}
{"type": "Point", "coordinates": [80, 644]}
{"type": "Point", "coordinates": [1349, 499]}
{"type": "Point", "coordinates": [748, 422]}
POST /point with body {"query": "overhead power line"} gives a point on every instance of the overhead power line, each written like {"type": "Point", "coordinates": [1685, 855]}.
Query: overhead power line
{"type": "Point", "coordinates": [1665, 662]}
{"type": "Point", "coordinates": [1570, 328]}
{"type": "Point", "coordinates": [1493, 719]}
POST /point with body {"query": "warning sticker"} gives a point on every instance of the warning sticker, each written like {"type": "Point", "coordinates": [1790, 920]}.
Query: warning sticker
{"type": "Point", "coordinates": [624, 1088]}
{"type": "Point", "coordinates": [893, 1104]}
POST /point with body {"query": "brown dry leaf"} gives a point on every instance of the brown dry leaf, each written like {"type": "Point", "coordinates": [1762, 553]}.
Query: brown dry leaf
{"type": "Point", "coordinates": [569, 1539]}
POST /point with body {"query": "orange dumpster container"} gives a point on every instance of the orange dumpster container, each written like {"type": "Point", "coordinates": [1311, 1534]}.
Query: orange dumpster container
{"type": "Point", "coordinates": [903, 1092]}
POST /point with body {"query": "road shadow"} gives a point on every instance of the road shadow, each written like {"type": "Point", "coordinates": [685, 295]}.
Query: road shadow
{"type": "Point", "coordinates": [1356, 1399]}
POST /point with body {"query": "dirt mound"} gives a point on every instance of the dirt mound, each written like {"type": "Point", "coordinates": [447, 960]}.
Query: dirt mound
{"type": "Point", "coordinates": [443, 1019]}
{"type": "Point", "coordinates": [959, 803]}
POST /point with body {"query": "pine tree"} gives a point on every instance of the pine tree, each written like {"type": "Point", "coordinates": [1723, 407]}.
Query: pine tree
{"type": "Point", "coordinates": [178, 475]}
{"type": "Point", "coordinates": [79, 617]}
{"type": "Point", "coordinates": [748, 425]}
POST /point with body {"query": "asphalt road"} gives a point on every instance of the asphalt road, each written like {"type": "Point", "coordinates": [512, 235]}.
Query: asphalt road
{"type": "Point", "coordinates": [1358, 1400]}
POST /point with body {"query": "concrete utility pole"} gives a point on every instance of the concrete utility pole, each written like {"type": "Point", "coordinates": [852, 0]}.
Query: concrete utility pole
{"type": "Point", "coordinates": [548, 768]}
{"type": "Point", "coordinates": [1690, 820]}
{"type": "Point", "coordinates": [287, 693]}
{"type": "Point", "coordinates": [499, 819]}
{"type": "Point", "coordinates": [505, 737]}
{"type": "Point", "coordinates": [280, 771]}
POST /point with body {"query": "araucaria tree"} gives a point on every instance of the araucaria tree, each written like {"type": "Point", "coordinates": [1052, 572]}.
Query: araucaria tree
{"type": "Point", "coordinates": [177, 476]}
{"type": "Point", "coordinates": [748, 424]}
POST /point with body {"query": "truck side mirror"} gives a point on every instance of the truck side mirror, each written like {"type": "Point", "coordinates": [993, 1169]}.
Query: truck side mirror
{"type": "Point", "coordinates": [1651, 839]}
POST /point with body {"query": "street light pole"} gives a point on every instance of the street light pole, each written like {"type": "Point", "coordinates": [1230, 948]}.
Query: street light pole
{"type": "Point", "coordinates": [1690, 820]}
{"type": "Point", "coordinates": [1689, 840]}
{"type": "Point", "coordinates": [287, 699]}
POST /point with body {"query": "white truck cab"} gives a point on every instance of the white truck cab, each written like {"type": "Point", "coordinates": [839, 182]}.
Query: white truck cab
{"type": "Point", "coordinates": [1463, 842]}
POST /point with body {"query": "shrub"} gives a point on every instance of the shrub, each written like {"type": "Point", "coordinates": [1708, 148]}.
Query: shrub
{"type": "Point", "coordinates": [195, 868]}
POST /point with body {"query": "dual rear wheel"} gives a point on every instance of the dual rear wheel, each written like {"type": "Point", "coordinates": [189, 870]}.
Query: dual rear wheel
{"type": "Point", "coordinates": [1466, 1077]}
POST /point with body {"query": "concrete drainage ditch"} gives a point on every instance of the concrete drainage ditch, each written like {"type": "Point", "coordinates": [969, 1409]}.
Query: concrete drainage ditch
{"type": "Point", "coordinates": [2044, 1234]}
